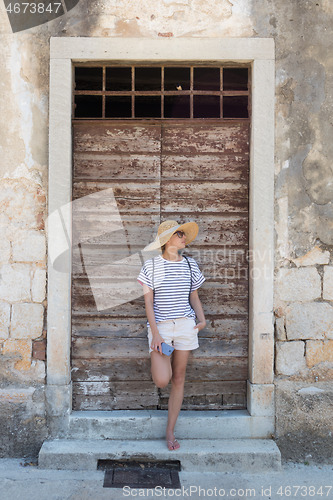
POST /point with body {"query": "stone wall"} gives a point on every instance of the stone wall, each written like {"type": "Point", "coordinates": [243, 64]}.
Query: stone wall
{"type": "Point", "coordinates": [22, 313]}
{"type": "Point", "coordinates": [303, 203]}
{"type": "Point", "coordinates": [304, 357]}
{"type": "Point", "coordinates": [304, 224]}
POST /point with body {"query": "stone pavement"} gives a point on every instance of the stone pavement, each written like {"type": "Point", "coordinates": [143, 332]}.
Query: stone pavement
{"type": "Point", "coordinates": [27, 482]}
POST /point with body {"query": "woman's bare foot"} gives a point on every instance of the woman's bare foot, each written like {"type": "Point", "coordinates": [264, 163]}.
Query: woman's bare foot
{"type": "Point", "coordinates": [172, 442]}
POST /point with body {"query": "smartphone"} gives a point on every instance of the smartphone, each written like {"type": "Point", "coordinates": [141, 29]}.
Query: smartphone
{"type": "Point", "coordinates": [166, 349]}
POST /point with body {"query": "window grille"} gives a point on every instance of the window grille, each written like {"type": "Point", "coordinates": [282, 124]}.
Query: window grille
{"type": "Point", "coordinates": [161, 92]}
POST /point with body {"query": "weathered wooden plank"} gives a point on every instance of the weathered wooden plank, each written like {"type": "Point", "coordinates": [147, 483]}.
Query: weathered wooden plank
{"type": "Point", "coordinates": [129, 198]}
{"type": "Point", "coordinates": [226, 256]}
{"type": "Point", "coordinates": [118, 268]}
{"type": "Point", "coordinates": [142, 227]}
{"type": "Point", "coordinates": [236, 287]}
{"type": "Point", "coordinates": [108, 137]}
{"type": "Point", "coordinates": [229, 328]}
{"type": "Point", "coordinates": [118, 298]}
{"type": "Point", "coordinates": [100, 247]}
{"type": "Point", "coordinates": [221, 230]}
{"type": "Point", "coordinates": [213, 241]}
{"type": "Point", "coordinates": [227, 274]}
{"type": "Point", "coordinates": [99, 260]}
{"type": "Point", "coordinates": [92, 348]}
{"type": "Point", "coordinates": [234, 400]}
{"type": "Point", "coordinates": [116, 369]}
{"type": "Point", "coordinates": [120, 280]}
{"type": "Point", "coordinates": [204, 197]}
{"type": "Point", "coordinates": [138, 395]}
{"type": "Point", "coordinates": [100, 256]}
{"type": "Point", "coordinates": [116, 166]}
{"type": "Point", "coordinates": [236, 347]}
{"type": "Point", "coordinates": [212, 261]}
{"type": "Point", "coordinates": [96, 326]}
{"type": "Point", "coordinates": [202, 167]}
{"type": "Point", "coordinates": [208, 403]}
{"type": "Point", "coordinates": [209, 387]}
{"type": "Point", "coordinates": [100, 244]}
{"type": "Point", "coordinates": [117, 272]}
{"type": "Point", "coordinates": [114, 395]}
{"type": "Point", "coordinates": [191, 140]}
{"type": "Point", "coordinates": [140, 197]}
{"type": "Point", "coordinates": [217, 298]}
{"type": "Point", "coordinates": [86, 403]}
{"type": "Point", "coordinates": [208, 395]}
{"type": "Point", "coordinates": [110, 327]}
{"type": "Point", "coordinates": [218, 368]}
{"type": "Point", "coordinates": [233, 267]}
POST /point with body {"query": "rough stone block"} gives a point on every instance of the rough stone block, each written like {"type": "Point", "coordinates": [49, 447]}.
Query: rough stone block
{"type": "Point", "coordinates": [22, 420]}
{"type": "Point", "coordinates": [280, 329]}
{"type": "Point", "coordinates": [315, 256]}
{"type": "Point", "coordinates": [299, 285]}
{"type": "Point", "coordinates": [29, 246]}
{"type": "Point", "coordinates": [260, 399]}
{"type": "Point", "coordinates": [289, 357]}
{"type": "Point", "coordinates": [38, 285]}
{"type": "Point", "coordinates": [328, 283]}
{"type": "Point", "coordinates": [318, 351]}
{"type": "Point", "coordinates": [16, 395]}
{"type": "Point", "coordinates": [27, 321]}
{"type": "Point", "coordinates": [20, 204]}
{"type": "Point", "coordinates": [31, 397]}
{"type": "Point", "coordinates": [58, 399]}
{"type": "Point", "coordinates": [22, 348]}
{"type": "Point", "coordinates": [4, 319]}
{"type": "Point", "coordinates": [15, 282]}
{"type": "Point", "coordinates": [304, 423]}
{"type": "Point", "coordinates": [36, 373]}
{"type": "Point", "coordinates": [309, 321]}
{"type": "Point", "coordinates": [4, 250]}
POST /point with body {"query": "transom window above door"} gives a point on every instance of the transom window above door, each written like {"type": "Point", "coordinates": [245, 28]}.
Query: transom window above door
{"type": "Point", "coordinates": [161, 92]}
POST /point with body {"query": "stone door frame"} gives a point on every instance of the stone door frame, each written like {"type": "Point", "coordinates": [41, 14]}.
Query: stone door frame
{"type": "Point", "coordinates": [259, 52]}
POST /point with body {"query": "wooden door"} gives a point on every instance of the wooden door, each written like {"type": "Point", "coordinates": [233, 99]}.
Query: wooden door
{"type": "Point", "coordinates": [159, 171]}
{"type": "Point", "coordinates": [204, 178]}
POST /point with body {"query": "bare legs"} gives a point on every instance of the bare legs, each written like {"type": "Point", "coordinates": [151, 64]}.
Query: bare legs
{"type": "Point", "coordinates": [163, 369]}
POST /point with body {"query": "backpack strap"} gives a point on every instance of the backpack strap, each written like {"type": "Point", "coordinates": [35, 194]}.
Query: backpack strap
{"type": "Point", "coordinates": [153, 275]}
{"type": "Point", "coordinates": [188, 263]}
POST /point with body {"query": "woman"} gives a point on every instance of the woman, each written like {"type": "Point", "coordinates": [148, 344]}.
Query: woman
{"type": "Point", "coordinates": [170, 285]}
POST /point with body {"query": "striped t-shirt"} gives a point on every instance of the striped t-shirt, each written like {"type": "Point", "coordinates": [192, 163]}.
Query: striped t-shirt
{"type": "Point", "coordinates": [172, 281]}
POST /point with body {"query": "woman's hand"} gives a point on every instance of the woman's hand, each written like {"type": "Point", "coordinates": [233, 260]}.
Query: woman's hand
{"type": "Point", "coordinates": [196, 304]}
{"type": "Point", "coordinates": [200, 325]}
{"type": "Point", "coordinates": [156, 342]}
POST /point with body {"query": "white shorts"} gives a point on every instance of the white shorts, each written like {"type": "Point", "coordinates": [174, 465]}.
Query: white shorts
{"type": "Point", "coordinates": [179, 332]}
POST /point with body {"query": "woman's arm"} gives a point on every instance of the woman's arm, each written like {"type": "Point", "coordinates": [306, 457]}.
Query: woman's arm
{"type": "Point", "coordinates": [196, 304]}
{"type": "Point", "coordinates": [149, 305]}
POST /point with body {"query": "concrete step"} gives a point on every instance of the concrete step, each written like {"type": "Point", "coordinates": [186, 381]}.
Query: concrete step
{"type": "Point", "coordinates": [150, 424]}
{"type": "Point", "coordinates": [222, 455]}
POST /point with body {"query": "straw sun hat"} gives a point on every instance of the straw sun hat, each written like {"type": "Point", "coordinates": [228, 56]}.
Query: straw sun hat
{"type": "Point", "coordinates": [168, 228]}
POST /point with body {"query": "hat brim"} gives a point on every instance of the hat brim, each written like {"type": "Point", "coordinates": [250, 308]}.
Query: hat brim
{"type": "Point", "coordinates": [191, 230]}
